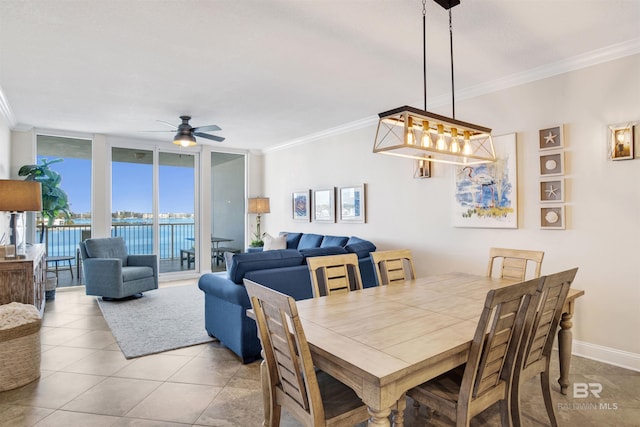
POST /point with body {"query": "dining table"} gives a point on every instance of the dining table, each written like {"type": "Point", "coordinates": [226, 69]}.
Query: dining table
{"type": "Point", "coordinates": [384, 340]}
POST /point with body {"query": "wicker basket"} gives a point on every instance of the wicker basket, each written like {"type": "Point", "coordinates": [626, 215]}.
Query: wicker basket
{"type": "Point", "coordinates": [19, 348]}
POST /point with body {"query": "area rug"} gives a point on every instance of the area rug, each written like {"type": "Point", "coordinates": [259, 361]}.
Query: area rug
{"type": "Point", "coordinates": [163, 319]}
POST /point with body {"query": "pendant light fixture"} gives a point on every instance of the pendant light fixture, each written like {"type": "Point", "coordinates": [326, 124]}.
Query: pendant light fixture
{"type": "Point", "coordinates": [428, 137]}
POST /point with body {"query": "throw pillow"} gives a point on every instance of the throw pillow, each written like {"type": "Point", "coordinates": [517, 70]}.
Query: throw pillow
{"type": "Point", "coordinates": [272, 243]}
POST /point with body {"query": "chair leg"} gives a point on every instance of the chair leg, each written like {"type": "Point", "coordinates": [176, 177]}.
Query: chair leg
{"type": "Point", "coordinates": [505, 416]}
{"type": "Point", "coordinates": [546, 394]}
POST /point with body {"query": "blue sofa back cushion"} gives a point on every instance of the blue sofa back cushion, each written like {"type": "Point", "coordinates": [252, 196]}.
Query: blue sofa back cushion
{"type": "Point", "coordinates": [242, 263]}
{"type": "Point", "coordinates": [360, 247]}
{"type": "Point", "coordinates": [328, 241]}
{"type": "Point", "coordinates": [329, 250]}
{"type": "Point", "coordinates": [310, 241]}
{"type": "Point", "coordinates": [292, 239]}
{"type": "Point", "coordinates": [107, 247]}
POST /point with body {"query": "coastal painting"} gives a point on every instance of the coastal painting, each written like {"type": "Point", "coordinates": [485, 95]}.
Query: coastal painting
{"type": "Point", "coordinates": [486, 195]}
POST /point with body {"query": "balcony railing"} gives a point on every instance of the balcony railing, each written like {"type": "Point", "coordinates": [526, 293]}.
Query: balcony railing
{"type": "Point", "coordinates": [62, 240]}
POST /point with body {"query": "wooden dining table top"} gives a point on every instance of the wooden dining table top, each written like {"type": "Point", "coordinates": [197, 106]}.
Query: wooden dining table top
{"type": "Point", "coordinates": [384, 340]}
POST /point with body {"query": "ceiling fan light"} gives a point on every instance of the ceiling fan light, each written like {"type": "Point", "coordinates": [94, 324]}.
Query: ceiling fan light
{"type": "Point", "coordinates": [184, 140]}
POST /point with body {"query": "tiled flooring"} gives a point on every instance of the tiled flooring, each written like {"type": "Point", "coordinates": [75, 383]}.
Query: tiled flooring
{"type": "Point", "coordinates": [86, 381]}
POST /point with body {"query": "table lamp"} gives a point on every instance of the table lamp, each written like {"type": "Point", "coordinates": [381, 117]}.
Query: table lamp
{"type": "Point", "coordinates": [258, 205]}
{"type": "Point", "coordinates": [18, 197]}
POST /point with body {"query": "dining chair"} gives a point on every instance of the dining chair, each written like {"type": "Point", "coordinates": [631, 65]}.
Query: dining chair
{"type": "Point", "coordinates": [334, 274]}
{"type": "Point", "coordinates": [311, 396]}
{"type": "Point", "coordinates": [469, 389]}
{"type": "Point", "coordinates": [535, 353]}
{"type": "Point", "coordinates": [514, 262]}
{"type": "Point", "coordinates": [393, 266]}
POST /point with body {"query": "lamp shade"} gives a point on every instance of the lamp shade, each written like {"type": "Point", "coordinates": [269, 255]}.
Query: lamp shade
{"type": "Point", "coordinates": [259, 205]}
{"type": "Point", "coordinates": [20, 196]}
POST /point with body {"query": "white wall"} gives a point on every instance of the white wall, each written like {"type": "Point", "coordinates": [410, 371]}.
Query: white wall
{"type": "Point", "coordinates": [5, 155]}
{"type": "Point", "coordinates": [603, 197]}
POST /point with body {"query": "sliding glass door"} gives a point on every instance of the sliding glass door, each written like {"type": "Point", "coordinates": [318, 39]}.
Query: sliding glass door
{"type": "Point", "coordinates": [168, 230]}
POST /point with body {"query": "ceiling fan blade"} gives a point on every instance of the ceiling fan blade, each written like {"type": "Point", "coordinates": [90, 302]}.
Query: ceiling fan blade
{"type": "Point", "coordinates": [174, 127]}
{"type": "Point", "coordinates": [206, 128]}
{"type": "Point", "coordinates": [212, 137]}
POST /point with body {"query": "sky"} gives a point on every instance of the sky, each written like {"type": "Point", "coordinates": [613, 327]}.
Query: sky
{"type": "Point", "coordinates": [132, 186]}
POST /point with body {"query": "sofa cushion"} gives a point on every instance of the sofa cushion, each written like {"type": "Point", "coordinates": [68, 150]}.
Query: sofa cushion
{"type": "Point", "coordinates": [108, 247]}
{"type": "Point", "coordinates": [136, 273]}
{"type": "Point", "coordinates": [328, 241]}
{"type": "Point", "coordinates": [292, 239]}
{"type": "Point", "coordinates": [328, 250]}
{"type": "Point", "coordinates": [271, 243]}
{"type": "Point", "coordinates": [360, 247]}
{"type": "Point", "coordinates": [309, 240]}
{"type": "Point", "coordinates": [242, 263]}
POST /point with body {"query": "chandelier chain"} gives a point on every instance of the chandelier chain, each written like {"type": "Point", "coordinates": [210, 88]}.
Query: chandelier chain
{"type": "Point", "coordinates": [453, 90]}
{"type": "Point", "coordinates": [424, 52]}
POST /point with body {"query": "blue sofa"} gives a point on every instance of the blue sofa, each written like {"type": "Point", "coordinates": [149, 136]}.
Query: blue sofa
{"type": "Point", "coordinates": [285, 270]}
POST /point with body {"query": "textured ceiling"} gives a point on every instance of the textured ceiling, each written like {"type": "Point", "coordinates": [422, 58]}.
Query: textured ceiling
{"type": "Point", "coordinates": [269, 72]}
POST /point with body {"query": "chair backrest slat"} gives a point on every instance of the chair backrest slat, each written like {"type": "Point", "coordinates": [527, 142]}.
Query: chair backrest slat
{"type": "Point", "coordinates": [285, 347]}
{"type": "Point", "coordinates": [334, 274]}
{"type": "Point", "coordinates": [494, 348]}
{"type": "Point", "coordinates": [394, 266]}
{"type": "Point", "coordinates": [544, 324]}
{"type": "Point", "coordinates": [514, 262]}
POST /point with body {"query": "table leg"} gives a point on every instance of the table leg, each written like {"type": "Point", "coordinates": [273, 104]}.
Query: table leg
{"type": "Point", "coordinates": [397, 417]}
{"type": "Point", "coordinates": [379, 418]}
{"type": "Point", "coordinates": [564, 348]}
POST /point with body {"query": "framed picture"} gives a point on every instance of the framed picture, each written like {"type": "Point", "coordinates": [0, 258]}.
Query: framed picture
{"type": "Point", "coordinates": [324, 207]}
{"type": "Point", "coordinates": [352, 204]}
{"type": "Point", "coordinates": [552, 164]}
{"type": "Point", "coordinates": [486, 195]}
{"type": "Point", "coordinates": [301, 205]}
{"type": "Point", "coordinates": [552, 217]}
{"type": "Point", "coordinates": [551, 138]}
{"type": "Point", "coordinates": [552, 190]}
{"type": "Point", "coordinates": [621, 142]}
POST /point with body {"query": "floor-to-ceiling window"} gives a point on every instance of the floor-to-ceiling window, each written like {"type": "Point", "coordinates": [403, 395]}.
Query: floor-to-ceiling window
{"type": "Point", "coordinates": [71, 158]}
{"type": "Point", "coordinates": [168, 230]}
{"type": "Point", "coordinates": [177, 219]}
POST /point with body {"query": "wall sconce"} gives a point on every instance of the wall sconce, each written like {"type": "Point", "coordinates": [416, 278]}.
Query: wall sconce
{"type": "Point", "coordinates": [423, 169]}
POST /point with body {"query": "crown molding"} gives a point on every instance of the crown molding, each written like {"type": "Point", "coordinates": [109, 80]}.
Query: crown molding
{"type": "Point", "coordinates": [594, 57]}
{"type": "Point", "coordinates": [6, 111]}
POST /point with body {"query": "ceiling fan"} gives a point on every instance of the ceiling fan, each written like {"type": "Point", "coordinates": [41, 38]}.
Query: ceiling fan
{"type": "Point", "coordinates": [185, 136]}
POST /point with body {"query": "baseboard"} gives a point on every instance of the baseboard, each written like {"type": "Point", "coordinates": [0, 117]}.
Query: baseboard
{"type": "Point", "coordinates": [612, 356]}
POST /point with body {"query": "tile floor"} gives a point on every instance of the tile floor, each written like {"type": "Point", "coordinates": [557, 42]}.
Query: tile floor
{"type": "Point", "coordinates": [86, 381]}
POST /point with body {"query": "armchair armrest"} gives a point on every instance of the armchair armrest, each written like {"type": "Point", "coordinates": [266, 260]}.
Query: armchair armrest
{"type": "Point", "coordinates": [102, 271]}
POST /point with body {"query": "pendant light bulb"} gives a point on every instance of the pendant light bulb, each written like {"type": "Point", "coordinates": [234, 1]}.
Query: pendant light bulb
{"type": "Point", "coordinates": [455, 144]}
{"type": "Point", "coordinates": [441, 144]}
{"type": "Point", "coordinates": [409, 136]}
{"type": "Point", "coordinates": [466, 150]}
{"type": "Point", "coordinates": [426, 136]}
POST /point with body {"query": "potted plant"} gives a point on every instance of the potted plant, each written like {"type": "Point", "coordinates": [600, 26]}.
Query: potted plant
{"type": "Point", "coordinates": [54, 199]}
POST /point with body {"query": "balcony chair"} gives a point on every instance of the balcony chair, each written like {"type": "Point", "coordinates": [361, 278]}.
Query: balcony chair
{"type": "Point", "coordinates": [110, 272]}
{"type": "Point", "coordinates": [394, 266]}
{"type": "Point", "coordinates": [334, 274]}
{"type": "Point", "coordinates": [514, 262]}
{"type": "Point", "coordinates": [289, 379]}
{"type": "Point", "coordinates": [535, 354]}
{"type": "Point", "coordinates": [469, 389]}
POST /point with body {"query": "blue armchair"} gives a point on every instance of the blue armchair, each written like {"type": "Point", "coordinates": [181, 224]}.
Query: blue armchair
{"type": "Point", "coordinates": [110, 272]}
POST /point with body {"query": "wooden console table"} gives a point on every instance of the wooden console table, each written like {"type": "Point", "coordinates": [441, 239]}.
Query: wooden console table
{"type": "Point", "coordinates": [23, 280]}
